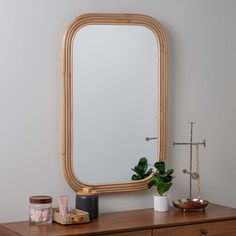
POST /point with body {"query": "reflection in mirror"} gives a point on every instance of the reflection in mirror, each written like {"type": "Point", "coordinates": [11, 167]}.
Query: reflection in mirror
{"type": "Point", "coordinates": [114, 96]}
{"type": "Point", "coordinates": [114, 101]}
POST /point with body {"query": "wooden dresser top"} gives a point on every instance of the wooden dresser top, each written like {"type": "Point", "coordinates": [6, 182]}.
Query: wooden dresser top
{"type": "Point", "coordinates": [122, 222]}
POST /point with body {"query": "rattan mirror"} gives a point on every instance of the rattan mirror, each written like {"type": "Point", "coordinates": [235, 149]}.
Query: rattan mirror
{"type": "Point", "coordinates": [114, 95]}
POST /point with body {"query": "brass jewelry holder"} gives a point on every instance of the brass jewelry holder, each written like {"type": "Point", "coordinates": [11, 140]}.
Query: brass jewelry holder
{"type": "Point", "coordinates": [191, 203]}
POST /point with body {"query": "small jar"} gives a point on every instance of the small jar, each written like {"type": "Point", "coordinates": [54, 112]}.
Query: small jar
{"type": "Point", "coordinates": [40, 209]}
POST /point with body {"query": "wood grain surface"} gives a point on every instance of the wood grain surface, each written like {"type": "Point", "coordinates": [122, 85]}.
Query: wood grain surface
{"type": "Point", "coordinates": [128, 221]}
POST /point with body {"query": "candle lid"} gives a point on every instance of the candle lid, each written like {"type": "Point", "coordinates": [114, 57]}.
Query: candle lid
{"type": "Point", "coordinates": [86, 191]}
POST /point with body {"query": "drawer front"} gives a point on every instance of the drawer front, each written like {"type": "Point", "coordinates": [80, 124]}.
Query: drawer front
{"type": "Point", "coordinates": [133, 233]}
{"type": "Point", "coordinates": [221, 228]}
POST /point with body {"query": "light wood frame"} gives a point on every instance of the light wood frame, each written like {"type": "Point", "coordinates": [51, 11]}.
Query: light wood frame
{"type": "Point", "coordinates": [67, 107]}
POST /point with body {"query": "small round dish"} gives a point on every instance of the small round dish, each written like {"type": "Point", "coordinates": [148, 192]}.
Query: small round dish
{"type": "Point", "coordinates": [190, 204]}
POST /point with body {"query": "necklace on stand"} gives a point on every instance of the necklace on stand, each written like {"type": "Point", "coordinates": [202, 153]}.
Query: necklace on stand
{"type": "Point", "coordinates": [198, 186]}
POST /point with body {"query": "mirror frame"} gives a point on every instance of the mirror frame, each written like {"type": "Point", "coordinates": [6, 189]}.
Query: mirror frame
{"type": "Point", "coordinates": [67, 96]}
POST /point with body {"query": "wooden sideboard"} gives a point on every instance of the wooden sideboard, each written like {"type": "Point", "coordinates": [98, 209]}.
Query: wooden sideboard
{"type": "Point", "coordinates": [216, 220]}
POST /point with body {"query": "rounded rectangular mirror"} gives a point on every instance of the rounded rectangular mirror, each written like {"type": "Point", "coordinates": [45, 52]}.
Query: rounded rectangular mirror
{"type": "Point", "coordinates": [114, 87]}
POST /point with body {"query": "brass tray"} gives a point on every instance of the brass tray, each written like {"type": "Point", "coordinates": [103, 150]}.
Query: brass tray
{"type": "Point", "coordinates": [190, 204]}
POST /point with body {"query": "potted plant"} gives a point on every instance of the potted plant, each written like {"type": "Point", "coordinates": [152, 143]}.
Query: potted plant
{"type": "Point", "coordinates": [161, 178]}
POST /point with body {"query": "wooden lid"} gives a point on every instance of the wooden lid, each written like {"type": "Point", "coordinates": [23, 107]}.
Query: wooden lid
{"type": "Point", "coordinates": [86, 191]}
{"type": "Point", "coordinates": [40, 199]}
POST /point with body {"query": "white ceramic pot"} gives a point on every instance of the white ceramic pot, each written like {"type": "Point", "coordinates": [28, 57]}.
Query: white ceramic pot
{"type": "Point", "coordinates": [161, 203]}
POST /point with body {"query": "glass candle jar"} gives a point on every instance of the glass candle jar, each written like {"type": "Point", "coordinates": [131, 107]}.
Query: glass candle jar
{"type": "Point", "coordinates": [40, 209]}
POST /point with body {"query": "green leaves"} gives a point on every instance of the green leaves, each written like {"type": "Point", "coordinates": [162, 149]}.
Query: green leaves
{"type": "Point", "coordinates": [141, 169]}
{"type": "Point", "coordinates": [161, 178]}
{"type": "Point", "coordinates": [163, 182]}
{"type": "Point", "coordinates": [160, 166]}
{"type": "Point", "coordinates": [163, 188]}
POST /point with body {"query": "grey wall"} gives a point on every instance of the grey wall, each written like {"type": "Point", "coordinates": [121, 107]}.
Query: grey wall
{"type": "Point", "coordinates": [201, 40]}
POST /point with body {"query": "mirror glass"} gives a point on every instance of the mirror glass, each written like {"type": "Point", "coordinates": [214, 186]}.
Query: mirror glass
{"type": "Point", "coordinates": [115, 101]}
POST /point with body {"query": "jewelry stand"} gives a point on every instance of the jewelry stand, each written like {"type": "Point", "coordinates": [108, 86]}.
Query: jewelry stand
{"type": "Point", "coordinates": [192, 203]}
